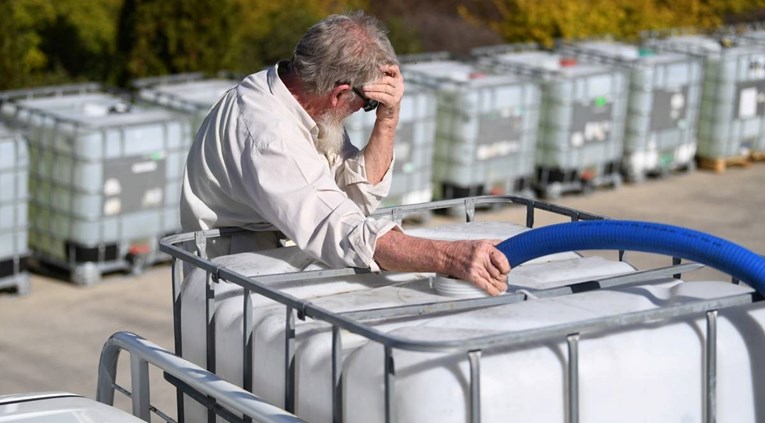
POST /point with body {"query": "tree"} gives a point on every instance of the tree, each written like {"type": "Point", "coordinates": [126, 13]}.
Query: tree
{"type": "Point", "coordinates": [20, 53]}
{"type": "Point", "coordinates": [157, 37]}
{"type": "Point", "coordinates": [545, 21]}
{"type": "Point", "coordinates": [269, 30]}
{"type": "Point", "coordinates": [79, 40]}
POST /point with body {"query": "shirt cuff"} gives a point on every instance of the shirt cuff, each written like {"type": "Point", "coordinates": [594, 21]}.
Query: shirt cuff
{"type": "Point", "coordinates": [356, 173]}
{"type": "Point", "coordinates": [363, 239]}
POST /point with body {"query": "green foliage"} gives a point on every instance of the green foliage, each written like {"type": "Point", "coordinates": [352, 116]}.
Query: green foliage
{"type": "Point", "coordinates": [268, 30]}
{"type": "Point", "coordinates": [20, 53]}
{"type": "Point", "coordinates": [157, 37]}
{"type": "Point", "coordinates": [544, 21]}
{"type": "Point", "coordinates": [116, 41]}
{"type": "Point", "coordinates": [402, 37]}
{"type": "Point", "coordinates": [79, 41]}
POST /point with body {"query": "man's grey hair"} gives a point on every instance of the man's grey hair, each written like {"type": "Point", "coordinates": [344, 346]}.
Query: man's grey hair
{"type": "Point", "coordinates": [348, 48]}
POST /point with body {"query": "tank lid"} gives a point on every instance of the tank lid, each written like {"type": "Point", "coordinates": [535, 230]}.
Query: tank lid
{"type": "Point", "coordinates": [451, 287]}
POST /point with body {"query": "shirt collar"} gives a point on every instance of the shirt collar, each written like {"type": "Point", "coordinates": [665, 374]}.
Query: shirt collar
{"type": "Point", "coordinates": [284, 96]}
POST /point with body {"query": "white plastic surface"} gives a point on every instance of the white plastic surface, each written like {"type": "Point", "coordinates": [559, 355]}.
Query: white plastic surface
{"type": "Point", "coordinates": [58, 408]}
{"type": "Point", "coordinates": [651, 373]}
{"type": "Point", "coordinates": [361, 292]}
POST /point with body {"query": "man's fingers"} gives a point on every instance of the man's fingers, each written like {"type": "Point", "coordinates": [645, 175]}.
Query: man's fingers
{"type": "Point", "coordinates": [489, 287]}
{"type": "Point", "coordinates": [499, 261]}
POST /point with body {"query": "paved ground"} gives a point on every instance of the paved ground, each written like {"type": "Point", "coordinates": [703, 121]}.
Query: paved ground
{"type": "Point", "coordinates": [51, 339]}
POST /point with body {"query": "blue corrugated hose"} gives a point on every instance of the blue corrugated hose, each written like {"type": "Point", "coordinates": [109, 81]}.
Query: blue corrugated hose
{"type": "Point", "coordinates": [647, 237]}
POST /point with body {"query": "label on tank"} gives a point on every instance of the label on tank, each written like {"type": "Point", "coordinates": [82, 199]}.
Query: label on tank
{"type": "Point", "coordinates": [669, 108]}
{"type": "Point", "coordinates": [750, 99]}
{"type": "Point", "coordinates": [134, 183]}
{"type": "Point", "coordinates": [591, 122]}
{"type": "Point", "coordinates": [756, 67]}
{"type": "Point", "coordinates": [499, 133]}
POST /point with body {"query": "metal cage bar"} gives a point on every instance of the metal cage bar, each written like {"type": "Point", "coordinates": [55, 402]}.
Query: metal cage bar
{"type": "Point", "coordinates": [357, 321]}
{"type": "Point", "coordinates": [710, 368]}
{"type": "Point", "coordinates": [142, 352]}
{"type": "Point", "coordinates": [474, 357]}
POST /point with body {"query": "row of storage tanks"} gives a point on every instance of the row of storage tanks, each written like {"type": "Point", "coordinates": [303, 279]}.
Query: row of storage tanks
{"type": "Point", "coordinates": [90, 179]}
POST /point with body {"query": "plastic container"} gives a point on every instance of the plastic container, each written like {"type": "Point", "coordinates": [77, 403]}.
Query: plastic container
{"type": "Point", "coordinates": [342, 345]}
{"type": "Point", "coordinates": [105, 177]}
{"type": "Point", "coordinates": [190, 93]}
{"type": "Point", "coordinates": [664, 102]}
{"type": "Point", "coordinates": [14, 199]}
{"type": "Point", "coordinates": [732, 116]}
{"type": "Point", "coordinates": [486, 128]}
{"type": "Point", "coordinates": [413, 148]}
{"type": "Point", "coordinates": [313, 344]}
{"type": "Point", "coordinates": [583, 114]}
{"type": "Point", "coordinates": [638, 373]}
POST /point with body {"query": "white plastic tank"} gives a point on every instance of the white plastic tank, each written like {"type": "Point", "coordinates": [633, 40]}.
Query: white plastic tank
{"type": "Point", "coordinates": [583, 112]}
{"type": "Point", "coordinates": [14, 199]}
{"type": "Point", "coordinates": [732, 116]}
{"type": "Point", "coordinates": [641, 373]}
{"type": "Point", "coordinates": [352, 293]}
{"type": "Point", "coordinates": [486, 128]}
{"type": "Point", "coordinates": [194, 95]}
{"type": "Point", "coordinates": [105, 175]}
{"type": "Point", "coordinates": [60, 407]}
{"type": "Point", "coordinates": [664, 100]}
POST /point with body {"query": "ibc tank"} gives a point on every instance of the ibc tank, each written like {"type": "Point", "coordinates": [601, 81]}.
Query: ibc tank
{"type": "Point", "coordinates": [650, 372]}
{"type": "Point", "coordinates": [313, 339]}
{"type": "Point", "coordinates": [190, 93]}
{"type": "Point", "coordinates": [14, 198]}
{"type": "Point", "coordinates": [664, 101]}
{"type": "Point", "coordinates": [413, 148]}
{"type": "Point", "coordinates": [105, 177]}
{"type": "Point", "coordinates": [732, 117]}
{"type": "Point", "coordinates": [583, 113]}
{"type": "Point", "coordinates": [486, 128]}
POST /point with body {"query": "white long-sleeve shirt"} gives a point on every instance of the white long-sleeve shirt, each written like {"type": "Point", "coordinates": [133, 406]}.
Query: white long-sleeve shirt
{"type": "Point", "coordinates": [254, 165]}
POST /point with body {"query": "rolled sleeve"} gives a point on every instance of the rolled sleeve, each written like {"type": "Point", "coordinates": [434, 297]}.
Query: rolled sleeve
{"type": "Point", "coordinates": [351, 176]}
{"type": "Point", "coordinates": [365, 235]}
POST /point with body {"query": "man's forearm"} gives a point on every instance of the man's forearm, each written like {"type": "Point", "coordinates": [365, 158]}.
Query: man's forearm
{"type": "Point", "coordinates": [389, 91]}
{"type": "Point", "coordinates": [477, 261]}
{"type": "Point", "coordinates": [399, 252]}
{"type": "Point", "coordinates": [379, 151]}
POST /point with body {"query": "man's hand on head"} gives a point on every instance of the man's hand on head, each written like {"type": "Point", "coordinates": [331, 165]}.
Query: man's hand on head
{"type": "Point", "coordinates": [388, 90]}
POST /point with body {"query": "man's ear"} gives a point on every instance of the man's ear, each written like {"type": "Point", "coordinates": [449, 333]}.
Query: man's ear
{"type": "Point", "coordinates": [339, 91]}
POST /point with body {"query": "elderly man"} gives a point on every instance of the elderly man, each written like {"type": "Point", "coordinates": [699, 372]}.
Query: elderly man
{"type": "Point", "coordinates": [272, 157]}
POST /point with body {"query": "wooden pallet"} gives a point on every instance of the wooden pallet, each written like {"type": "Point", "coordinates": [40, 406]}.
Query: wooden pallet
{"type": "Point", "coordinates": [757, 156]}
{"type": "Point", "coordinates": [721, 164]}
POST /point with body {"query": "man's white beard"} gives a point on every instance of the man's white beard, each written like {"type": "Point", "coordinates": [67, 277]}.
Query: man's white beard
{"type": "Point", "coordinates": [331, 136]}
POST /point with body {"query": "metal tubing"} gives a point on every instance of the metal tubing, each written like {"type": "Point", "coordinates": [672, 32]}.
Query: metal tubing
{"type": "Point", "coordinates": [573, 377]}
{"type": "Point", "coordinates": [472, 303]}
{"type": "Point", "coordinates": [289, 361]}
{"type": "Point", "coordinates": [475, 385]}
{"type": "Point", "coordinates": [529, 335]}
{"type": "Point", "coordinates": [530, 215]}
{"type": "Point", "coordinates": [247, 345]}
{"type": "Point", "coordinates": [177, 266]}
{"type": "Point", "coordinates": [337, 376]}
{"type": "Point", "coordinates": [139, 383]}
{"type": "Point", "coordinates": [390, 386]}
{"type": "Point", "coordinates": [469, 209]}
{"type": "Point", "coordinates": [230, 396]}
{"type": "Point", "coordinates": [710, 369]}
